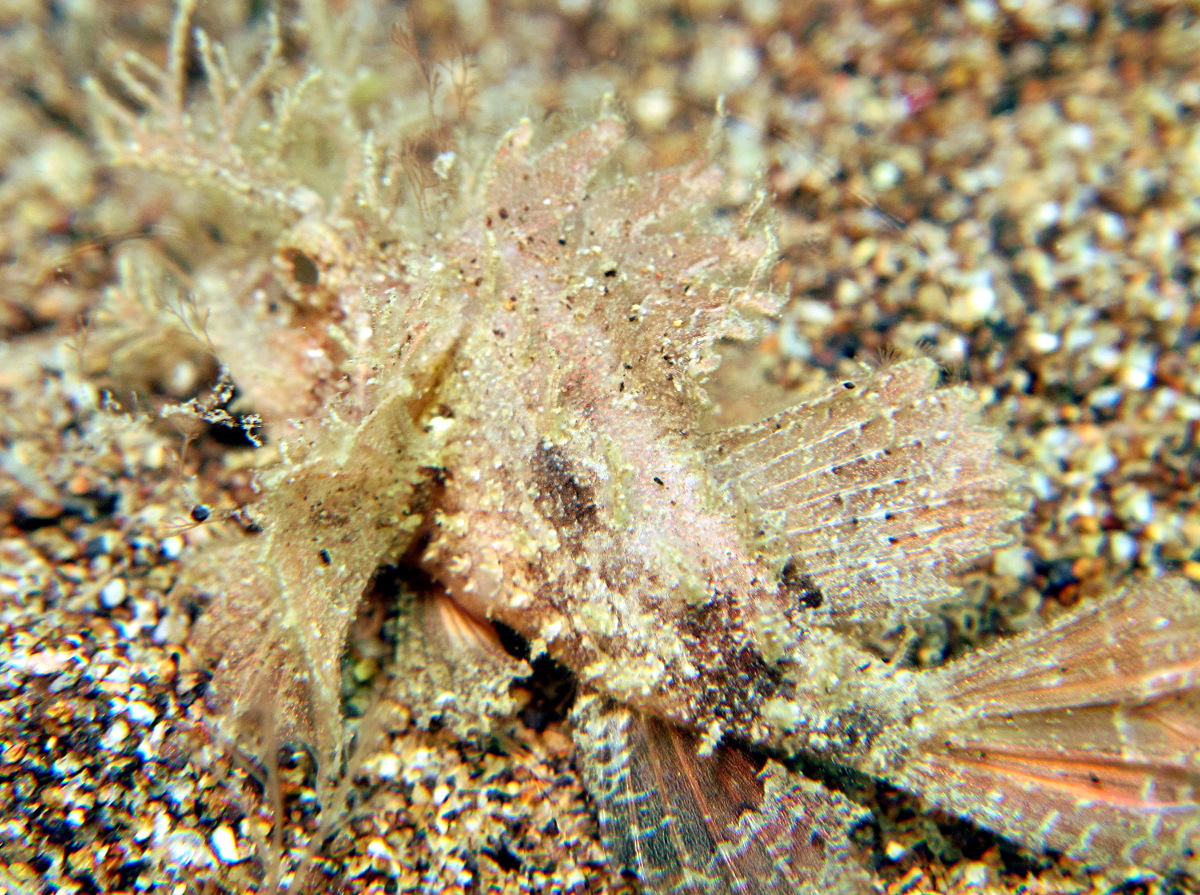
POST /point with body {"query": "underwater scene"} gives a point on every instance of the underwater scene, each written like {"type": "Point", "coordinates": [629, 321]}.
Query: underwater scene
{"type": "Point", "coordinates": [712, 447]}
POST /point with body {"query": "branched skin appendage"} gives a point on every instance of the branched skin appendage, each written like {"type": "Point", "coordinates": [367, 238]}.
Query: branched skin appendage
{"type": "Point", "coordinates": [510, 397]}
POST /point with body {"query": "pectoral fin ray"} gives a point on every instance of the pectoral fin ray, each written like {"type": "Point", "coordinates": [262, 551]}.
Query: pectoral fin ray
{"type": "Point", "coordinates": [725, 822]}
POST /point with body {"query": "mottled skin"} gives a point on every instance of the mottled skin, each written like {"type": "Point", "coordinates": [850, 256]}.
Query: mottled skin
{"type": "Point", "coordinates": [578, 515]}
{"type": "Point", "coordinates": [509, 397]}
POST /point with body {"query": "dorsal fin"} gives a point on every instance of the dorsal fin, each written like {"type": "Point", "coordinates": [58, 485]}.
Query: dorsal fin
{"type": "Point", "coordinates": [869, 496]}
{"type": "Point", "coordinates": [649, 263]}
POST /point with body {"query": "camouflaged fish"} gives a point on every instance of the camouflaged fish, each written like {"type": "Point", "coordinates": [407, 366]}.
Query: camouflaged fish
{"type": "Point", "coordinates": [511, 402]}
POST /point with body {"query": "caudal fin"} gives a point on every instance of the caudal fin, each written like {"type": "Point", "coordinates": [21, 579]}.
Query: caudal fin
{"type": "Point", "coordinates": [1082, 738]}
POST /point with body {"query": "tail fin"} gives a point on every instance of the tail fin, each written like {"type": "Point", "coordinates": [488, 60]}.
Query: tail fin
{"type": "Point", "coordinates": [1082, 738]}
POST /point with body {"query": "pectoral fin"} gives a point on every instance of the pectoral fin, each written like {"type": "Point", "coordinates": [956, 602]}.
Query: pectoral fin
{"type": "Point", "coordinates": [450, 666]}
{"type": "Point", "coordinates": [711, 824]}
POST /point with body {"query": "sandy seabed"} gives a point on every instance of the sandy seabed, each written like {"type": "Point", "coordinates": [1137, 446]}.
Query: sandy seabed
{"type": "Point", "coordinates": [1009, 189]}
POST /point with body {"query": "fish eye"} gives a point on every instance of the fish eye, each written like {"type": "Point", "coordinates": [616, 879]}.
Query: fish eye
{"type": "Point", "coordinates": [304, 269]}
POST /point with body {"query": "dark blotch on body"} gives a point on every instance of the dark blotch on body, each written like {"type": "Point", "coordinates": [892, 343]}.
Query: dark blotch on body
{"type": "Point", "coordinates": [567, 503]}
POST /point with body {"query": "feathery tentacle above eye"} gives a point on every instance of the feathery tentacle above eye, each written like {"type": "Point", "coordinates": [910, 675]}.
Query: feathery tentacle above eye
{"type": "Point", "coordinates": [870, 496]}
